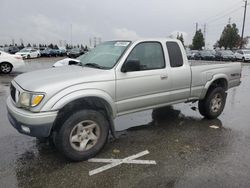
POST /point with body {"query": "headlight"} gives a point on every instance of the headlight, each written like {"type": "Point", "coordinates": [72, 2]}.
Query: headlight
{"type": "Point", "coordinates": [25, 99]}
{"type": "Point", "coordinates": [30, 99]}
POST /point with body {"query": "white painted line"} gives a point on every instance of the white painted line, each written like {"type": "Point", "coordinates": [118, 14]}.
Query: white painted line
{"type": "Point", "coordinates": [116, 162]}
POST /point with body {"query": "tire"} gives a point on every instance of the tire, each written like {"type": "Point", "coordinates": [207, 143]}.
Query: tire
{"type": "Point", "coordinates": [207, 108]}
{"type": "Point", "coordinates": [28, 56]}
{"type": "Point", "coordinates": [5, 68]}
{"type": "Point", "coordinates": [243, 59]}
{"type": "Point", "coordinates": [74, 133]}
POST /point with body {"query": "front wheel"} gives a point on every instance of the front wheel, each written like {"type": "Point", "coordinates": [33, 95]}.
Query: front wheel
{"type": "Point", "coordinates": [213, 104]}
{"type": "Point", "coordinates": [5, 68]}
{"type": "Point", "coordinates": [82, 135]}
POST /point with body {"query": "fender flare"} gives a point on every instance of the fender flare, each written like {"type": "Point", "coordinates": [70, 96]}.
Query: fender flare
{"type": "Point", "coordinates": [209, 83]}
{"type": "Point", "coordinates": [57, 103]}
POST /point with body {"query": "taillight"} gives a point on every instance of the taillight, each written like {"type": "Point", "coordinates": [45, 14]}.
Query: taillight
{"type": "Point", "coordinates": [18, 57]}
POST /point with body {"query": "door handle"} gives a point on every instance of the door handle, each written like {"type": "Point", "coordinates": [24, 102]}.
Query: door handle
{"type": "Point", "coordinates": [164, 77]}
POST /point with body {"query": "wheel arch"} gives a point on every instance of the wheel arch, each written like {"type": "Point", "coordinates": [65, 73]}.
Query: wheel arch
{"type": "Point", "coordinates": [86, 102]}
{"type": "Point", "coordinates": [7, 62]}
{"type": "Point", "coordinates": [217, 81]}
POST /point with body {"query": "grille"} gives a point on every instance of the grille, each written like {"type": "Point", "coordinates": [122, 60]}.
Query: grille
{"type": "Point", "coordinates": [13, 92]}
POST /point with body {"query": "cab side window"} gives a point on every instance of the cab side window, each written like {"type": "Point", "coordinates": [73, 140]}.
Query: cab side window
{"type": "Point", "coordinates": [175, 55]}
{"type": "Point", "coordinates": [149, 54]}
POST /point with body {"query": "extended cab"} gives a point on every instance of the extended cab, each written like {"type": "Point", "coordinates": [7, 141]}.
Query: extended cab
{"type": "Point", "coordinates": [76, 105]}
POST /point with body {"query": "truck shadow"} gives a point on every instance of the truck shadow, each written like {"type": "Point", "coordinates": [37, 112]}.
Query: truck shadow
{"type": "Point", "coordinates": [174, 140]}
{"type": "Point", "coordinates": [170, 118]}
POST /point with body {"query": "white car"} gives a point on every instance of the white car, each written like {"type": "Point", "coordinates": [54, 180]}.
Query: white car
{"type": "Point", "coordinates": [243, 55]}
{"type": "Point", "coordinates": [66, 61]}
{"type": "Point", "coordinates": [29, 53]}
{"type": "Point", "coordinates": [9, 61]}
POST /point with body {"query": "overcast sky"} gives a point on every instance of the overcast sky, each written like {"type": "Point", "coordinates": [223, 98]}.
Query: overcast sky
{"type": "Point", "coordinates": [46, 21]}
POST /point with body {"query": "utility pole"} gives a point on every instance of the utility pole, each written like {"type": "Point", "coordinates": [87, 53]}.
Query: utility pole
{"type": "Point", "coordinates": [196, 27]}
{"type": "Point", "coordinates": [229, 20]}
{"type": "Point", "coordinates": [95, 40]}
{"type": "Point", "coordinates": [243, 25]}
{"type": "Point", "coordinates": [71, 35]}
{"type": "Point", "coordinates": [204, 33]}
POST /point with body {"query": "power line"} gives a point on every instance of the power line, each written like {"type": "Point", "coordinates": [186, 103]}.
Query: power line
{"type": "Point", "coordinates": [224, 15]}
{"type": "Point", "coordinates": [222, 12]}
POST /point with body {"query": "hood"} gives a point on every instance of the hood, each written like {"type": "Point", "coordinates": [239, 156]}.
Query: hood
{"type": "Point", "coordinates": [228, 55]}
{"type": "Point", "coordinates": [19, 53]}
{"type": "Point", "coordinates": [55, 79]}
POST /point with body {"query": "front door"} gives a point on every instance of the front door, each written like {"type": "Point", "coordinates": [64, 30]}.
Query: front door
{"type": "Point", "coordinates": [146, 87]}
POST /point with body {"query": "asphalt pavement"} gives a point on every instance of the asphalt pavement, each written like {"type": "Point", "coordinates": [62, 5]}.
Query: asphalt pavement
{"type": "Point", "coordinates": [189, 151]}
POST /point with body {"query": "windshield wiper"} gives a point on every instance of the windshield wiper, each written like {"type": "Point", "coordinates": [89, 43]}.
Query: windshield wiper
{"type": "Point", "coordinates": [94, 65]}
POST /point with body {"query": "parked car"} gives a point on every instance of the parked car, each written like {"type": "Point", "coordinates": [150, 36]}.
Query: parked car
{"type": "Point", "coordinates": [189, 54]}
{"type": "Point", "coordinates": [55, 52]}
{"type": "Point", "coordinates": [29, 53]}
{"type": "Point", "coordinates": [67, 61]}
{"type": "Point", "coordinates": [9, 61]}
{"type": "Point", "coordinates": [77, 105]}
{"type": "Point", "coordinates": [225, 55]}
{"type": "Point", "coordinates": [243, 55]}
{"type": "Point", "coordinates": [193, 52]}
{"type": "Point", "coordinates": [62, 51]}
{"type": "Point", "coordinates": [204, 55]}
{"type": "Point", "coordinates": [46, 52]}
{"type": "Point", "coordinates": [11, 49]}
{"type": "Point", "coordinates": [75, 52]}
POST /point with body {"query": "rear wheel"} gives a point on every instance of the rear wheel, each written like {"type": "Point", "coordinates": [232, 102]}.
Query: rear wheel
{"type": "Point", "coordinates": [213, 104]}
{"type": "Point", "coordinates": [5, 67]}
{"type": "Point", "coordinates": [82, 135]}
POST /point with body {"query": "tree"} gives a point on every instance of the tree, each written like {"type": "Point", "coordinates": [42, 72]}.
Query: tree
{"type": "Point", "coordinates": [180, 37]}
{"type": "Point", "coordinates": [28, 45]}
{"type": "Point", "coordinates": [86, 48]}
{"type": "Point", "coordinates": [22, 46]}
{"type": "Point", "coordinates": [198, 40]}
{"type": "Point", "coordinates": [230, 37]}
{"type": "Point", "coordinates": [51, 46]}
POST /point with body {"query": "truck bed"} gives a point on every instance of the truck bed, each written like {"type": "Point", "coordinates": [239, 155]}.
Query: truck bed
{"type": "Point", "coordinates": [205, 72]}
{"type": "Point", "coordinates": [198, 63]}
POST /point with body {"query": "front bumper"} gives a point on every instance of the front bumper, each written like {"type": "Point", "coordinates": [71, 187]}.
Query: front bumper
{"type": "Point", "coordinates": [30, 123]}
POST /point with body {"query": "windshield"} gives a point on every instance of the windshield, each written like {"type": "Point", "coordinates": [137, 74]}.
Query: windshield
{"type": "Point", "coordinates": [206, 53]}
{"type": "Point", "coordinates": [25, 50]}
{"type": "Point", "coordinates": [228, 52]}
{"type": "Point", "coordinates": [105, 55]}
{"type": "Point", "coordinates": [76, 50]}
{"type": "Point", "coordinates": [246, 51]}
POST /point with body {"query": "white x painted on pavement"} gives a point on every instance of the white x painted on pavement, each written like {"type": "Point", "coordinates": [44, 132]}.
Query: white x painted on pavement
{"type": "Point", "coordinates": [116, 162]}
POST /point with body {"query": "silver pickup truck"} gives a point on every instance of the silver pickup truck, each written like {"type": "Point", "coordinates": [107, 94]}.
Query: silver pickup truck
{"type": "Point", "coordinates": [76, 105]}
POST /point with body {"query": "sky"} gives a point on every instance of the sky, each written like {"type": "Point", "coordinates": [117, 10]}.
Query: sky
{"type": "Point", "coordinates": [79, 21]}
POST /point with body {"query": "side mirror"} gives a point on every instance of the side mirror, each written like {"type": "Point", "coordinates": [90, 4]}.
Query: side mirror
{"type": "Point", "coordinates": [130, 66]}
